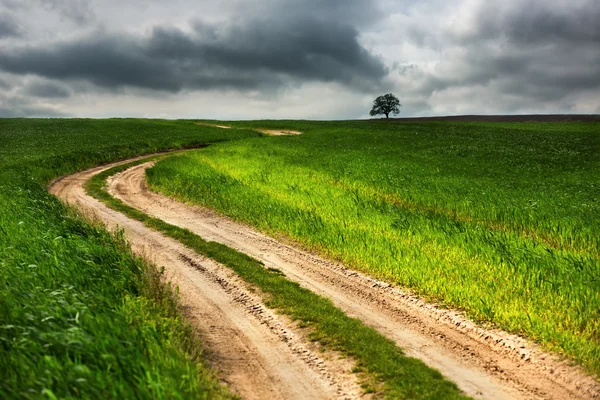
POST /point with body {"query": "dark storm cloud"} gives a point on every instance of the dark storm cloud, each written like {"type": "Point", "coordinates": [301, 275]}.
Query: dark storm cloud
{"type": "Point", "coordinates": [441, 57]}
{"type": "Point", "coordinates": [260, 53]}
{"type": "Point", "coordinates": [47, 90]}
{"type": "Point", "coordinates": [305, 48]}
{"type": "Point", "coordinates": [533, 22]}
{"type": "Point", "coordinates": [8, 27]}
{"type": "Point", "coordinates": [535, 52]}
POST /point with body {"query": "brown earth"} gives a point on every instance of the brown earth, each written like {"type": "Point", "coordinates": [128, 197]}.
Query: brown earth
{"type": "Point", "coordinates": [276, 132]}
{"type": "Point", "coordinates": [213, 125]}
{"type": "Point", "coordinates": [503, 118]}
{"type": "Point", "coordinates": [484, 363]}
{"type": "Point", "coordinates": [271, 132]}
{"type": "Point", "coordinates": [259, 354]}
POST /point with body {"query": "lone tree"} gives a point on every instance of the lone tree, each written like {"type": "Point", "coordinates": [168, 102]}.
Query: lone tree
{"type": "Point", "coordinates": [386, 104]}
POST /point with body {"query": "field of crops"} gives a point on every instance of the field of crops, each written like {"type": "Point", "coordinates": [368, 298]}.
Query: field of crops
{"type": "Point", "coordinates": [79, 316]}
{"type": "Point", "coordinates": [501, 220]}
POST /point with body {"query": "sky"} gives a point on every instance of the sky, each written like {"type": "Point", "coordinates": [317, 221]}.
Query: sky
{"type": "Point", "coordinates": [308, 59]}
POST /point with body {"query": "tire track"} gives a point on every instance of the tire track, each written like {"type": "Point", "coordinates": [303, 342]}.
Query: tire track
{"type": "Point", "coordinates": [484, 363]}
{"type": "Point", "coordinates": [258, 353]}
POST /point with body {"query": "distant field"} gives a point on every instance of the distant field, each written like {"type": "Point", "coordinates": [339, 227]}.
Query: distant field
{"type": "Point", "coordinates": [501, 220]}
{"type": "Point", "coordinates": [79, 316]}
{"type": "Point", "coordinates": [507, 118]}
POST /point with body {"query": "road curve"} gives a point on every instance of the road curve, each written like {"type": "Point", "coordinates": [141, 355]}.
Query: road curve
{"type": "Point", "coordinates": [260, 355]}
{"type": "Point", "coordinates": [484, 363]}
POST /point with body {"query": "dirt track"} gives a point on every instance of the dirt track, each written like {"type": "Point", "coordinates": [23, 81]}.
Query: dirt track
{"type": "Point", "coordinates": [487, 364]}
{"type": "Point", "coordinates": [259, 354]}
{"type": "Point", "coordinates": [270, 132]}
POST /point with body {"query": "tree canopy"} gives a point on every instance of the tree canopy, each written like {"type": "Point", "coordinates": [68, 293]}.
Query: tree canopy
{"type": "Point", "coordinates": [386, 105]}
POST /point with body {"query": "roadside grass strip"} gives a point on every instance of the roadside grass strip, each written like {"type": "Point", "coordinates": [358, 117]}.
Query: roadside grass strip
{"type": "Point", "coordinates": [501, 221]}
{"type": "Point", "coordinates": [80, 317]}
{"type": "Point", "coordinates": [389, 373]}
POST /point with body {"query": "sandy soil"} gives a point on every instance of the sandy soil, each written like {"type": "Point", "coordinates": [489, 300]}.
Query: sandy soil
{"type": "Point", "coordinates": [214, 125]}
{"type": "Point", "coordinates": [274, 132]}
{"type": "Point", "coordinates": [271, 132]}
{"type": "Point", "coordinates": [484, 363]}
{"type": "Point", "coordinates": [259, 354]}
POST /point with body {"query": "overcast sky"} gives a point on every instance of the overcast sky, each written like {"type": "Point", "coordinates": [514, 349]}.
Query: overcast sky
{"type": "Point", "coordinates": [241, 59]}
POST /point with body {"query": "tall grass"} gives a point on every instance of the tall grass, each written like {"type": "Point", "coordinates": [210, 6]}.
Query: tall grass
{"type": "Point", "coordinates": [385, 370]}
{"type": "Point", "coordinates": [500, 220]}
{"type": "Point", "coordinates": [79, 316]}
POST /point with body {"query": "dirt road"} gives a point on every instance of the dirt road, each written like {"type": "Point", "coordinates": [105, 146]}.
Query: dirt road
{"type": "Point", "coordinates": [259, 354]}
{"type": "Point", "coordinates": [484, 363]}
{"type": "Point", "coordinates": [270, 132]}
{"type": "Point", "coordinates": [488, 364]}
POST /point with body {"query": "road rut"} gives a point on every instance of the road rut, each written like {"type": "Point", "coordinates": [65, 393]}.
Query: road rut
{"type": "Point", "coordinates": [484, 363]}
{"type": "Point", "coordinates": [259, 354]}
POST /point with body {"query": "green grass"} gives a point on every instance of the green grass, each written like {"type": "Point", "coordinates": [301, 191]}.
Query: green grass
{"type": "Point", "coordinates": [389, 372]}
{"type": "Point", "coordinates": [500, 220]}
{"type": "Point", "coordinates": [79, 316]}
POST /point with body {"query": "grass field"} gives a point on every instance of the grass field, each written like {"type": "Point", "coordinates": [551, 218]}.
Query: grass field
{"type": "Point", "coordinates": [79, 317]}
{"type": "Point", "coordinates": [498, 219]}
{"type": "Point", "coordinates": [386, 372]}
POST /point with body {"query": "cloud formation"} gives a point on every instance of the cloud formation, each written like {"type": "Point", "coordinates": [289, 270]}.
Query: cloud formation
{"type": "Point", "coordinates": [468, 56]}
{"type": "Point", "coordinates": [8, 27]}
{"type": "Point", "coordinates": [547, 50]}
{"type": "Point", "coordinates": [258, 53]}
{"type": "Point", "coordinates": [506, 57]}
{"type": "Point", "coordinates": [47, 90]}
{"type": "Point", "coordinates": [79, 11]}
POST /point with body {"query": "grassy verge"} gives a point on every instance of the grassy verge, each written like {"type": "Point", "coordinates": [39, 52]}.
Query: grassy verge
{"type": "Point", "coordinates": [500, 220]}
{"type": "Point", "coordinates": [389, 371]}
{"type": "Point", "coordinates": [79, 316]}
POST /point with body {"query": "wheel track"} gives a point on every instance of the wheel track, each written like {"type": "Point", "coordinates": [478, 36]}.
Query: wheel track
{"type": "Point", "coordinates": [484, 363]}
{"type": "Point", "coordinates": [258, 353]}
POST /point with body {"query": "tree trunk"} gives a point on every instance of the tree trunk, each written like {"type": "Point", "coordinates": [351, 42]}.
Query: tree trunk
{"type": "Point", "coordinates": [387, 115]}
